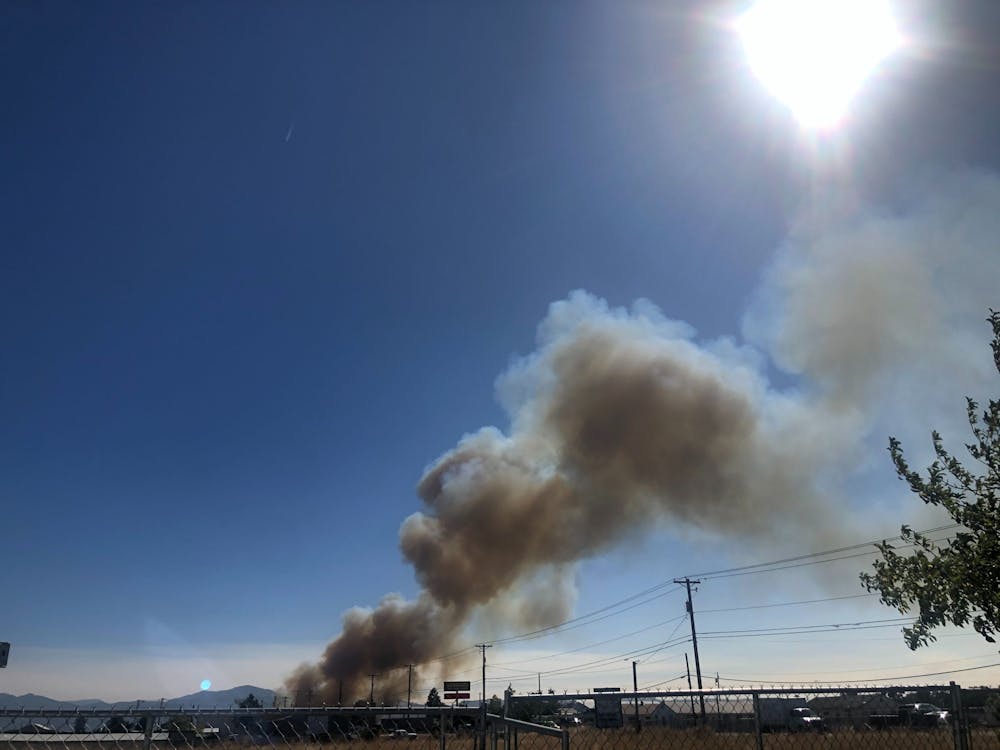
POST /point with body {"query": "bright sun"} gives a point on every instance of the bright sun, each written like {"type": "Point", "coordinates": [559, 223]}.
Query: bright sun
{"type": "Point", "coordinates": [814, 54]}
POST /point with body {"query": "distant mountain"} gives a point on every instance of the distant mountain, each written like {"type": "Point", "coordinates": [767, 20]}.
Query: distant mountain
{"type": "Point", "coordinates": [30, 700]}
{"type": "Point", "coordinates": [220, 698]}
{"type": "Point", "coordinates": [201, 699]}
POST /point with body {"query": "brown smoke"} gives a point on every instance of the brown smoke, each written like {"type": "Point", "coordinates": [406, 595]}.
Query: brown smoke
{"type": "Point", "coordinates": [619, 422]}
{"type": "Point", "coordinates": [376, 642]}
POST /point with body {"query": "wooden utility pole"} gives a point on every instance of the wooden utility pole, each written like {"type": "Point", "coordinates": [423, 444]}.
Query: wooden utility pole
{"type": "Point", "coordinates": [694, 639]}
{"type": "Point", "coordinates": [482, 647]}
{"type": "Point", "coordinates": [687, 668]}
{"type": "Point", "coordinates": [635, 698]}
{"type": "Point", "coordinates": [409, 685]}
{"type": "Point", "coordinates": [371, 694]}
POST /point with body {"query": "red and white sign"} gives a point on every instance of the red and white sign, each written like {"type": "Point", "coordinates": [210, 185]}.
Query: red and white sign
{"type": "Point", "coordinates": [456, 696]}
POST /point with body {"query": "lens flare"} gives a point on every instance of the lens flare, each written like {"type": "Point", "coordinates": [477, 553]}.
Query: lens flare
{"type": "Point", "coordinates": [206, 684]}
{"type": "Point", "coordinates": [814, 55]}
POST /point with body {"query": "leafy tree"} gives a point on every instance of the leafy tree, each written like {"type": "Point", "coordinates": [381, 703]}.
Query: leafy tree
{"type": "Point", "coordinates": [117, 725]}
{"type": "Point", "coordinates": [80, 725]}
{"type": "Point", "coordinates": [434, 698]}
{"type": "Point", "coordinates": [251, 701]}
{"type": "Point", "coordinates": [530, 710]}
{"type": "Point", "coordinates": [495, 705]}
{"type": "Point", "coordinates": [958, 581]}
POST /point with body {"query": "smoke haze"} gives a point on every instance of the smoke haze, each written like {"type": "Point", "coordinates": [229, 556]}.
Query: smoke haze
{"type": "Point", "coordinates": [621, 421]}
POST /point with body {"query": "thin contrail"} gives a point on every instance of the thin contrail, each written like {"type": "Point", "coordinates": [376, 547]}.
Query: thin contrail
{"type": "Point", "coordinates": [288, 135]}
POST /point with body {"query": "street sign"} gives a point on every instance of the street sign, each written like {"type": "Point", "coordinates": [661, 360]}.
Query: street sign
{"type": "Point", "coordinates": [608, 709]}
{"type": "Point", "coordinates": [4, 653]}
{"type": "Point", "coordinates": [456, 696]}
{"type": "Point", "coordinates": [458, 686]}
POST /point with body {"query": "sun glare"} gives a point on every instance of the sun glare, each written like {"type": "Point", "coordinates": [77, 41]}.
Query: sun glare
{"type": "Point", "coordinates": [814, 55]}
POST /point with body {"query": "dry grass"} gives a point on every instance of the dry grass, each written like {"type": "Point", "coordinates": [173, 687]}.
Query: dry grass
{"type": "Point", "coordinates": [664, 738]}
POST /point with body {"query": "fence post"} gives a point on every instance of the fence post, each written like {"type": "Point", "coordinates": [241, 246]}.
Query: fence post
{"type": "Point", "coordinates": [756, 722]}
{"type": "Point", "coordinates": [147, 732]}
{"type": "Point", "coordinates": [960, 730]}
{"type": "Point", "coordinates": [442, 723]}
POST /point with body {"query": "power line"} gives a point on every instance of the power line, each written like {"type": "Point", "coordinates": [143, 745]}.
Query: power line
{"type": "Point", "coordinates": [807, 563]}
{"type": "Point", "coordinates": [664, 682]}
{"type": "Point", "coordinates": [599, 643]}
{"type": "Point", "coordinates": [793, 565]}
{"type": "Point", "coordinates": [590, 616]}
{"type": "Point", "coordinates": [894, 639]}
{"type": "Point", "coordinates": [680, 621]}
{"type": "Point", "coordinates": [880, 669]}
{"type": "Point", "coordinates": [874, 679]}
{"type": "Point", "coordinates": [809, 627]}
{"type": "Point", "coordinates": [787, 604]}
{"type": "Point", "coordinates": [616, 658]}
{"type": "Point", "coordinates": [836, 551]}
{"type": "Point", "coordinates": [763, 567]}
{"type": "Point", "coordinates": [846, 629]}
{"type": "Point", "coordinates": [788, 630]}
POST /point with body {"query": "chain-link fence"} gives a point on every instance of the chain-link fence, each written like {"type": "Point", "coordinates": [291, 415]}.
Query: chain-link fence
{"type": "Point", "coordinates": [871, 718]}
{"type": "Point", "coordinates": [375, 728]}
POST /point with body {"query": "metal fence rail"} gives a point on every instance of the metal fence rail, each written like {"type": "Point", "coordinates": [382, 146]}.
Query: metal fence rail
{"type": "Point", "coordinates": [370, 728]}
{"type": "Point", "coordinates": [809, 718]}
{"type": "Point", "coordinates": [831, 718]}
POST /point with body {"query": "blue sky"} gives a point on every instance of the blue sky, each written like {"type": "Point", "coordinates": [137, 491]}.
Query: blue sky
{"type": "Point", "coordinates": [262, 264]}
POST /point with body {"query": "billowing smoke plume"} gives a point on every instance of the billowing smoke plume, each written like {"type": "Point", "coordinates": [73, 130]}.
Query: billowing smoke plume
{"type": "Point", "coordinates": [886, 305]}
{"type": "Point", "coordinates": [377, 641]}
{"type": "Point", "coordinates": [618, 421]}
{"type": "Point", "coordinates": [621, 421]}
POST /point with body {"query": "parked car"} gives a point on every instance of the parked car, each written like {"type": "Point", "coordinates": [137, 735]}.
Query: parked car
{"type": "Point", "coordinates": [781, 715]}
{"type": "Point", "coordinates": [917, 715]}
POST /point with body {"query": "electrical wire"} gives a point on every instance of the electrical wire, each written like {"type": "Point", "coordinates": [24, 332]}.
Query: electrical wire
{"type": "Point", "coordinates": [883, 668]}
{"type": "Point", "coordinates": [610, 610]}
{"type": "Point", "coordinates": [575, 622]}
{"type": "Point", "coordinates": [834, 625]}
{"type": "Point", "coordinates": [598, 643]}
{"type": "Point", "coordinates": [785, 604]}
{"type": "Point", "coordinates": [617, 657]}
{"type": "Point", "coordinates": [791, 631]}
{"type": "Point", "coordinates": [664, 682]}
{"type": "Point", "coordinates": [726, 572]}
{"type": "Point", "coordinates": [672, 633]}
{"type": "Point", "coordinates": [871, 680]}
